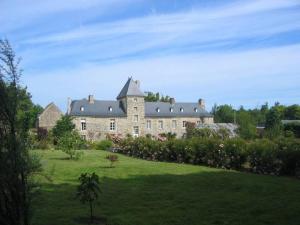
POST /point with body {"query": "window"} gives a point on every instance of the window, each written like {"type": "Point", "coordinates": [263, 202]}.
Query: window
{"type": "Point", "coordinates": [110, 108]}
{"type": "Point", "coordinates": [195, 110]}
{"type": "Point", "coordinates": [184, 124]}
{"type": "Point", "coordinates": [157, 109]}
{"type": "Point", "coordinates": [135, 109]}
{"type": "Point", "coordinates": [135, 131]}
{"type": "Point", "coordinates": [112, 125]}
{"type": "Point", "coordinates": [198, 122]}
{"type": "Point", "coordinates": [174, 124]}
{"type": "Point", "coordinates": [135, 99]}
{"type": "Point", "coordinates": [83, 137]}
{"type": "Point", "coordinates": [135, 118]}
{"type": "Point", "coordinates": [148, 124]}
{"type": "Point", "coordinates": [171, 109]}
{"type": "Point", "coordinates": [83, 124]}
{"type": "Point", "coordinates": [181, 109]}
{"type": "Point", "coordinates": [81, 108]}
{"type": "Point", "coordinates": [160, 124]}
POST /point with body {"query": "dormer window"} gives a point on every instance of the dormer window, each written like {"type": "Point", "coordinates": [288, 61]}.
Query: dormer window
{"type": "Point", "coordinates": [81, 108]}
{"type": "Point", "coordinates": [195, 110]}
{"type": "Point", "coordinates": [110, 108]}
{"type": "Point", "coordinates": [171, 109]}
{"type": "Point", "coordinates": [157, 109]}
{"type": "Point", "coordinates": [181, 109]}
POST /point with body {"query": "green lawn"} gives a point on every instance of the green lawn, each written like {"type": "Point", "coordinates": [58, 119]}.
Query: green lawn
{"type": "Point", "coordinates": [139, 192]}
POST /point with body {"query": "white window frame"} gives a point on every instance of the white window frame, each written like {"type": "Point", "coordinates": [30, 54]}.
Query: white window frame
{"type": "Point", "coordinates": [136, 131]}
{"type": "Point", "coordinates": [148, 125]}
{"type": "Point", "coordinates": [174, 124]}
{"type": "Point", "coordinates": [135, 99]}
{"type": "Point", "coordinates": [83, 124]}
{"type": "Point", "coordinates": [136, 118]}
{"type": "Point", "coordinates": [135, 109]}
{"type": "Point", "coordinates": [112, 125]}
{"type": "Point", "coordinates": [161, 124]}
{"type": "Point", "coordinates": [184, 124]}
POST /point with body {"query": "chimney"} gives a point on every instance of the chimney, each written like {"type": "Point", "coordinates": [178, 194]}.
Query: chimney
{"type": "Point", "coordinates": [69, 106]}
{"type": "Point", "coordinates": [138, 83]}
{"type": "Point", "coordinates": [172, 101]}
{"type": "Point", "coordinates": [201, 103]}
{"type": "Point", "coordinates": [91, 99]}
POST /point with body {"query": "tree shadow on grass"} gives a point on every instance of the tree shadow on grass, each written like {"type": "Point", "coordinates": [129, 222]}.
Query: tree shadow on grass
{"type": "Point", "coordinates": [218, 197]}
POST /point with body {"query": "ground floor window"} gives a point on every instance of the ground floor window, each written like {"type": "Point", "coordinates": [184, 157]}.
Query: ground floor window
{"type": "Point", "coordinates": [160, 124]}
{"type": "Point", "coordinates": [83, 124]}
{"type": "Point", "coordinates": [148, 124]}
{"type": "Point", "coordinates": [184, 124]}
{"type": "Point", "coordinates": [83, 137]}
{"type": "Point", "coordinates": [112, 125]}
{"type": "Point", "coordinates": [136, 131]}
{"type": "Point", "coordinates": [174, 124]}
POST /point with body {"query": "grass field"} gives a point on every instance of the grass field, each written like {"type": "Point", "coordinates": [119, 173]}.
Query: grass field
{"type": "Point", "coordinates": [138, 192]}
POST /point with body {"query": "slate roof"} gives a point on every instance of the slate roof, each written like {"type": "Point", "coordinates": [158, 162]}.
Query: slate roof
{"type": "Point", "coordinates": [189, 110]}
{"type": "Point", "coordinates": [101, 109]}
{"type": "Point", "coordinates": [131, 88]}
{"type": "Point", "coordinates": [97, 109]}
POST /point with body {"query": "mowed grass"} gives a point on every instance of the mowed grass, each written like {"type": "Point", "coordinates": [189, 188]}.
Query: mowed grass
{"type": "Point", "coordinates": [138, 192]}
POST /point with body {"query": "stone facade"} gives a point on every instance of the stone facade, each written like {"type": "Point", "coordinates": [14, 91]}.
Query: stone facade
{"type": "Point", "coordinates": [48, 118]}
{"type": "Point", "coordinates": [128, 115]}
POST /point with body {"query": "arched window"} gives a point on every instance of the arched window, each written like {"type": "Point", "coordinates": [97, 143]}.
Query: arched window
{"type": "Point", "coordinates": [171, 109]}
{"type": "Point", "coordinates": [181, 109]}
{"type": "Point", "coordinates": [110, 108]}
{"type": "Point", "coordinates": [81, 108]}
{"type": "Point", "coordinates": [195, 110]}
{"type": "Point", "coordinates": [157, 109]}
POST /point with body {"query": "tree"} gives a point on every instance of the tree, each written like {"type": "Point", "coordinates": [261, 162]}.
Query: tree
{"type": "Point", "coordinates": [15, 162]}
{"type": "Point", "coordinates": [247, 128]}
{"type": "Point", "coordinates": [69, 142]}
{"type": "Point", "coordinates": [273, 122]}
{"type": "Point", "coordinates": [155, 97]}
{"type": "Point", "coordinates": [223, 114]}
{"type": "Point", "coordinates": [63, 126]}
{"type": "Point", "coordinates": [89, 190]}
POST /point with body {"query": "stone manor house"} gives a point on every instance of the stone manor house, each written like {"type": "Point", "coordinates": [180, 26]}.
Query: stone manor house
{"type": "Point", "coordinates": [128, 114]}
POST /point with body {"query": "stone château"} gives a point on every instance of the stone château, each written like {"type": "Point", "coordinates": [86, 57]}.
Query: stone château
{"type": "Point", "coordinates": [130, 114]}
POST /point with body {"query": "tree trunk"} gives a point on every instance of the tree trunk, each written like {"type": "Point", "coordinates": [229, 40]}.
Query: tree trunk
{"type": "Point", "coordinates": [91, 211]}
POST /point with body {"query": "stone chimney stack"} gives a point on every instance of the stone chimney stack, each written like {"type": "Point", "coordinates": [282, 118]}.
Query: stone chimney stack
{"type": "Point", "coordinates": [201, 103]}
{"type": "Point", "coordinates": [138, 83]}
{"type": "Point", "coordinates": [172, 101]}
{"type": "Point", "coordinates": [91, 99]}
{"type": "Point", "coordinates": [69, 106]}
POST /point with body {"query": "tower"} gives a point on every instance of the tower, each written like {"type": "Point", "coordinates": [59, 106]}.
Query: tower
{"type": "Point", "coordinates": [131, 100]}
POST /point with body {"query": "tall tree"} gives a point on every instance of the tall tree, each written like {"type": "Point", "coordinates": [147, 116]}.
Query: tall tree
{"type": "Point", "coordinates": [15, 166]}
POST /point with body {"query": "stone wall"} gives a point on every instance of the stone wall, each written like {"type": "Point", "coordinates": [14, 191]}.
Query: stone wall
{"type": "Point", "coordinates": [98, 128]}
{"type": "Point", "coordinates": [49, 117]}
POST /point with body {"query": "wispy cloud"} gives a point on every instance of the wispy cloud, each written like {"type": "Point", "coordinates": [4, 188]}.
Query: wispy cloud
{"type": "Point", "coordinates": [240, 51]}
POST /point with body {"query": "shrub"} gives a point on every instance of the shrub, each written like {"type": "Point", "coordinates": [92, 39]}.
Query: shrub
{"type": "Point", "coordinates": [69, 142]}
{"type": "Point", "coordinates": [112, 158]}
{"type": "Point", "coordinates": [103, 145]}
{"type": "Point", "coordinates": [263, 157]}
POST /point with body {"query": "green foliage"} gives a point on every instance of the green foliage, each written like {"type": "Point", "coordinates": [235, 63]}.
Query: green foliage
{"type": "Point", "coordinates": [69, 143]}
{"type": "Point", "coordinates": [113, 159]}
{"type": "Point", "coordinates": [63, 126]}
{"type": "Point", "coordinates": [103, 145]}
{"type": "Point", "coordinates": [88, 190]}
{"type": "Point", "coordinates": [247, 128]}
{"type": "Point", "coordinates": [151, 97]}
{"type": "Point", "coordinates": [223, 114]}
{"type": "Point", "coordinates": [209, 151]}
{"type": "Point", "coordinates": [293, 128]}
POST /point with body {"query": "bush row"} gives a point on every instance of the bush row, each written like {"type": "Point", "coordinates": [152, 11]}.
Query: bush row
{"type": "Point", "coordinates": [281, 157]}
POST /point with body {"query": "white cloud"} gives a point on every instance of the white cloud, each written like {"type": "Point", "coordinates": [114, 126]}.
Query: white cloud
{"type": "Point", "coordinates": [246, 78]}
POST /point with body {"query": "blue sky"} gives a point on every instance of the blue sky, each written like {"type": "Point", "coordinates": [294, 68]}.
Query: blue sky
{"type": "Point", "coordinates": [236, 52]}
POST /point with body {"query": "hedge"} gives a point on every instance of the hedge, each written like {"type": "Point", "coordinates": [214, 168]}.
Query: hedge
{"type": "Point", "coordinates": [280, 157]}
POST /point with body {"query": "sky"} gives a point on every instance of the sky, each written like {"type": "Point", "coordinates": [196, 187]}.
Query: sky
{"type": "Point", "coordinates": [237, 52]}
